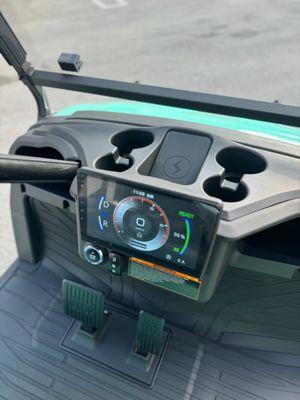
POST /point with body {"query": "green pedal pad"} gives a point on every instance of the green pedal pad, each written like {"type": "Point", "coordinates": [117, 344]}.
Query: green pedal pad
{"type": "Point", "coordinates": [149, 336]}
{"type": "Point", "coordinates": [85, 305]}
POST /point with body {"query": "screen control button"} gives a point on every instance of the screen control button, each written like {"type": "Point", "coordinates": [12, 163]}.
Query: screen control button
{"type": "Point", "coordinates": [139, 225]}
{"type": "Point", "coordinates": [93, 255]}
{"type": "Point", "coordinates": [115, 263]}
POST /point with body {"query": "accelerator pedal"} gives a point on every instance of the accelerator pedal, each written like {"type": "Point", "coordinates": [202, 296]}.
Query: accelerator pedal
{"type": "Point", "coordinates": [87, 307]}
{"type": "Point", "coordinates": [148, 341]}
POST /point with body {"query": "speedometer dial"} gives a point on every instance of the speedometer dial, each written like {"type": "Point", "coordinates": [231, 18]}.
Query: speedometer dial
{"type": "Point", "coordinates": [141, 223]}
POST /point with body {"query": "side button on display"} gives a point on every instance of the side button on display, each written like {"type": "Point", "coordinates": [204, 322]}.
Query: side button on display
{"type": "Point", "coordinates": [115, 263]}
{"type": "Point", "coordinates": [93, 255]}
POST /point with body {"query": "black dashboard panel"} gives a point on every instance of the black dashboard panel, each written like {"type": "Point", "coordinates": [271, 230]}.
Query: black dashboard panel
{"type": "Point", "coordinates": [242, 177]}
{"type": "Point", "coordinates": [161, 226]}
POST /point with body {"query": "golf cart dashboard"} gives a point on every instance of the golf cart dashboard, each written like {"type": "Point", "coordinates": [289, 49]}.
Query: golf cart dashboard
{"type": "Point", "coordinates": [165, 206]}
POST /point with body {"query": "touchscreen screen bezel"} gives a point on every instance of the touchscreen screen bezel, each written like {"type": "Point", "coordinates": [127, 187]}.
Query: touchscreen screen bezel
{"type": "Point", "coordinates": [83, 176]}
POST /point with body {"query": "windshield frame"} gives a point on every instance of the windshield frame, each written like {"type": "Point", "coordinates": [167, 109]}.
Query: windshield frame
{"type": "Point", "coordinates": [16, 56]}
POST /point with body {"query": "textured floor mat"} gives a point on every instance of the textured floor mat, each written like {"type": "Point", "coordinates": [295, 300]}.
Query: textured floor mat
{"type": "Point", "coordinates": [33, 366]}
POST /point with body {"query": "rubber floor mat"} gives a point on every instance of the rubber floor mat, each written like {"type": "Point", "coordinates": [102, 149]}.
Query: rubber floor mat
{"type": "Point", "coordinates": [33, 366]}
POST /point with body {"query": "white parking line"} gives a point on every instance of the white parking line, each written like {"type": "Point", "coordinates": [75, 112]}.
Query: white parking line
{"type": "Point", "coordinates": [109, 4]}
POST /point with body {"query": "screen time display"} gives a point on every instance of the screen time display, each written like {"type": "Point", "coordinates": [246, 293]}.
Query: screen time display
{"type": "Point", "coordinates": [142, 222]}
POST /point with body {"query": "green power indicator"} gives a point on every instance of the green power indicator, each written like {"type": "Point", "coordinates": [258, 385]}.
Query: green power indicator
{"type": "Point", "coordinates": [186, 214]}
{"type": "Point", "coordinates": [187, 238]}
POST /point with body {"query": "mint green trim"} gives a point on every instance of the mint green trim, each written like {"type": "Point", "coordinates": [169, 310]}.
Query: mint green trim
{"type": "Point", "coordinates": [258, 128]}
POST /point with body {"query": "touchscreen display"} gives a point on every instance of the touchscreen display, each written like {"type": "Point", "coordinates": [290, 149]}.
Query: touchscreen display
{"type": "Point", "coordinates": [154, 225]}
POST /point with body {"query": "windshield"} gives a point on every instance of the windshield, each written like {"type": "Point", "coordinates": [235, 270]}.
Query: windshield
{"type": "Point", "coordinates": [242, 49]}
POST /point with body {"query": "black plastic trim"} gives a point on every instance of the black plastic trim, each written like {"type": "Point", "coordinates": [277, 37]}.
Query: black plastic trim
{"type": "Point", "coordinates": [216, 104]}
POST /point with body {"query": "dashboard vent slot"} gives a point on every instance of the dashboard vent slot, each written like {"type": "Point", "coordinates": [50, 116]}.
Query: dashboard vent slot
{"type": "Point", "coordinates": [41, 152]}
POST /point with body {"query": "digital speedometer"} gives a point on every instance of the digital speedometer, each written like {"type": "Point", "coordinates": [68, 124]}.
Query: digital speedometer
{"type": "Point", "coordinates": [141, 223]}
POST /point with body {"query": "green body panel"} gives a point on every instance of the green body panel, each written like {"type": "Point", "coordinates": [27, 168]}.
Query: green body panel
{"type": "Point", "coordinates": [258, 128]}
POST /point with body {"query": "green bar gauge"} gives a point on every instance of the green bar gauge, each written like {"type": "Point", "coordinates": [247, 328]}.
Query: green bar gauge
{"type": "Point", "coordinates": [187, 236]}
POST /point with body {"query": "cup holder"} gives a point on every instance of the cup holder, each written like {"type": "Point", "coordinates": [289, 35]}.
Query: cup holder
{"type": "Point", "coordinates": [213, 187]}
{"type": "Point", "coordinates": [110, 163]}
{"type": "Point", "coordinates": [236, 162]}
{"type": "Point", "coordinates": [129, 140]}
{"type": "Point", "coordinates": [120, 159]}
{"type": "Point", "coordinates": [239, 161]}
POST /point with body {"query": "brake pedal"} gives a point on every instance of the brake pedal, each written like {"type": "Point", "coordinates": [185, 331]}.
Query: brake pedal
{"type": "Point", "coordinates": [87, 306]}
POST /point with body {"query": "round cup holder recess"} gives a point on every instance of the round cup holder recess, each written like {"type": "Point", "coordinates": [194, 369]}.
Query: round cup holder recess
{"type": "Point", "coordinates": [110, 163]}
{"type": "Point", "coordinates": [213, 187]}
{"type": "Point", "coordinates": [120, 159]}
{"type": "Point", "coordinates": [127, 141]}
{"type": "Point", "coordinates": [240, 161]}
{"type": "Point", "coordinates": [236, 162]}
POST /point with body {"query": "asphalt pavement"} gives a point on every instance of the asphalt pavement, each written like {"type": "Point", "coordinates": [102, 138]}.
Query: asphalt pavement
{"type": "Point", "coordinates": [238, 48]}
